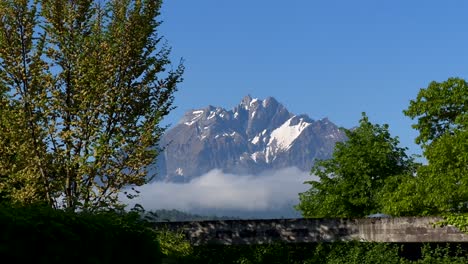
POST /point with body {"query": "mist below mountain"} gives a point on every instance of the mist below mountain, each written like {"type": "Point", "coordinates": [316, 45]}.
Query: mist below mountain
{"type": "Point", "coordinates": [271, 194]}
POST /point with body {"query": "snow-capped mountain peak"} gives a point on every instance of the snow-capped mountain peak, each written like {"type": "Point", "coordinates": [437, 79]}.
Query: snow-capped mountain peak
{"type": "Point", "coordinates": [247, 102]}
{"type": "Point", "coordinates": [256, 135]}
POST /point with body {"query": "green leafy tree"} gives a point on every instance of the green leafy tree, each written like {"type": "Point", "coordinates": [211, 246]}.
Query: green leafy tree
{"type": "Point", "coordinates": [350, 183]}
{"type": "Point", "coordinates": [441, 111]}
{"type": "Point", "coordinates": [84, 87]}
{"type": "Point", "coordinates": [23, 163]}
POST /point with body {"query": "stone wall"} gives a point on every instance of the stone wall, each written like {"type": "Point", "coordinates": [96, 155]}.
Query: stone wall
{"type": "Point", "coordinates": [402, 230]}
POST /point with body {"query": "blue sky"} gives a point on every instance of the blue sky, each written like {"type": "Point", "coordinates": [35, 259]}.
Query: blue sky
{"type": "Point", "coordinates": [329, 58]}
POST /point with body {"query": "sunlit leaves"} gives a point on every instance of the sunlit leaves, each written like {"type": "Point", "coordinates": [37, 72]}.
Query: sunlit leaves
{"type": "Point", "coordinates": [440, 108]}
{"type": "Point", "coordinates": [351, 181]}
{"type": "Point", "coordinates": [88, 86]}
{"type": "Point", "coordinates": [441, 114]}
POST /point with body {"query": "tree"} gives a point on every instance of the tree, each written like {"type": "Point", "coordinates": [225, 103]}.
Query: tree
{"type": "Point", "coordinates": [351, 181]}
{"type": "Point", "coordinates": [87, 84]}
{"type": "Point", "coordinates": [441, 111]}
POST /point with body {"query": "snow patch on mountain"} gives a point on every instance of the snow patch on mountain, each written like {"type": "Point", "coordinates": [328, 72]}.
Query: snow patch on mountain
{"type": "Point", "coordinates": [253, 101]}
{"type": "Point", "coordinates": [227, 134]}
{"type": "Point", "coordinates": [255, 140]}
{"type": "Point", "coordinates": [180, 171]}
{"type": "Point", "coordinates": [212, 115]}
{"type": "Point", "coordinates": [285, 135]}
{"type": "Point", "coordinates": [196, 116]}
{"type": "Point", "coordinates": [256, 156]}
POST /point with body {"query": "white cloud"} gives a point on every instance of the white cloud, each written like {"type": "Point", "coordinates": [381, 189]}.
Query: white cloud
{"type": "Point", "coordinates": [217, 190]}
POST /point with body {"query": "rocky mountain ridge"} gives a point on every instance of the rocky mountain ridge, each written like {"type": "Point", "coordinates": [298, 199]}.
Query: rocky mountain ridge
{"type": "Point", "coordinates": [253, 137]}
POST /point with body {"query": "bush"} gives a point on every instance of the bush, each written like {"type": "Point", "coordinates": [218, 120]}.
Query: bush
{"type": "Point", "coordinates": [39, 234]}
{"type": "Point", "coordinates": [448, 254]}
{"type": "Point", "coordinates": [174, 245]}
{"type": "Point", "coordinates": [356, 253]}
{"type": "Point", "coordinates": [279, 253]}
{"type": "Point", "coordinates": [329, 253]}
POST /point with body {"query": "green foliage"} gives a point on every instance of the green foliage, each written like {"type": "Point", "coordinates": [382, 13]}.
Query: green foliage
{"type": "Point", "coordinates": [251, 254]}
{"type": "Point", "coordinates": [440, 109]}
{"type": "Point", "coordinates": [440, 186]}
{"type": "Point", "coordinates": [328, 253]}
{"type": "Point", "coordinates": [84, 86]}
{"type": "Point", "coordinates": [370, 173]}
{"type": "Point", "coordinates": [442, 255]}
{"type": "Point", "coordinates": [406, 195]}
{"type": "Point", "coordinates": [458, 220]}
{"type": "Point", "coordinates": [351, 181]}
{"type": "Point", "coordinates": [40, 234]}
{"type": "Point", "coordinates": [174, 245]}
{"type": "Point", "coordinates": [356, 253]}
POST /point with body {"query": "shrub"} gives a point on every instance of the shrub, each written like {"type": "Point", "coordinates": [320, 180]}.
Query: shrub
{"type": "Point", "coordinates": [39, 234]}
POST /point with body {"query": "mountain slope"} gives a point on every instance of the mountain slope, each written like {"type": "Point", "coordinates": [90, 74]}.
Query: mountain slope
{"type": "Point", "coordinates": [255, 136]}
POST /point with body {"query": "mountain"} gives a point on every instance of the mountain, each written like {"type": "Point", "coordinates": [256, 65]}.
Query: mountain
{"type": "Point", "coordinates": [255, 136]}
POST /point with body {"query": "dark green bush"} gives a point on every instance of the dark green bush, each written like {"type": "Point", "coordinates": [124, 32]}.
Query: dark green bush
{"type": "Point", "coordinates": [39, 234]}
{"type": "Point", "coordinates": [330, 253]}
{"type": "Point", "coordinates": [350, 252]}
{"type": "Point", "coordinates": [356, 253]}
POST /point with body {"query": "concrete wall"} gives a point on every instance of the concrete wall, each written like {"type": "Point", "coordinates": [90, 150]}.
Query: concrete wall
{"type": "Point", "coordinates": [404, 229]}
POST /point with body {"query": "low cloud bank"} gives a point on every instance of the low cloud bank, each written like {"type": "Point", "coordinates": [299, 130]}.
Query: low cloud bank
{"type": "Point", "coordinates": [220, 191]}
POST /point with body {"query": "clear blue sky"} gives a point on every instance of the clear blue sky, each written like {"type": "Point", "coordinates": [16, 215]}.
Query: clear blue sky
{"type": "Point", "coordinates": [324, 58]}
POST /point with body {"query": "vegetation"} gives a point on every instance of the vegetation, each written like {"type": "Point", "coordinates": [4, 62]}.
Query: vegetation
{"type": "Point", "coordinates": [328, 253]}
{"type": "Point", "coordinates": [369, 173]}
{"type": "Point", "coordinates": [441, 113]}
{"type": "Point", "coordinates": [83, 88]}
{"type": "Point", "coordinates": [351, 182]}
{"type": "Point", "coordinates": [40, 234]}
{"type": "Point", "coordinates": [174, 245]}
{"type": "Point", "coordinates": [439, 188]}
